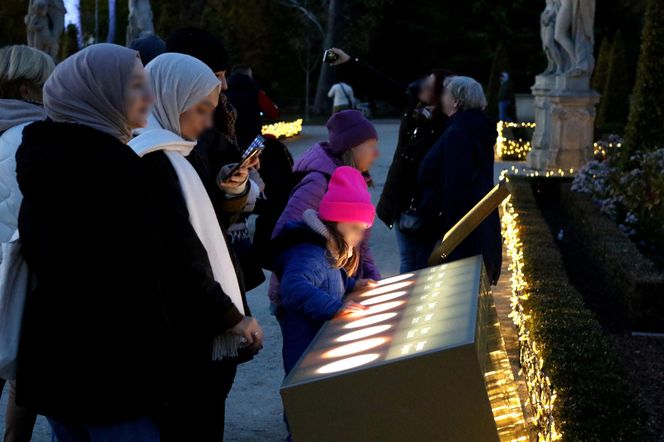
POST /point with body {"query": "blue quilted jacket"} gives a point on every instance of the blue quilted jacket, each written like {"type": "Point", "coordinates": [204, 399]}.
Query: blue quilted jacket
{"type": "Point", "coordinates": [311, 290]}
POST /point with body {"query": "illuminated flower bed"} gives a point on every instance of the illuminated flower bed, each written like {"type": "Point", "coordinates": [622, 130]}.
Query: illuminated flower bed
{"type": "Point", "coordinates": [283, 129]}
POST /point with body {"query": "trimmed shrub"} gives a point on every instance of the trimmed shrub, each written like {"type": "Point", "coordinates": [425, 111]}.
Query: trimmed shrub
{"type": "Point", "coordinates": [594, 402]}
{"type": "Point", "coordinates": [645, 130]}
{"type": "Point", "coordinates": [602, 66]}
{"type": "Point", "coordinates": [614, 104]}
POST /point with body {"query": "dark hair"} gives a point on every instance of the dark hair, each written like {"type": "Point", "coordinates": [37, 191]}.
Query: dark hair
{"type": "Point", "coordinates": [200, 44]}
{"type": "Point", "coordinates": [241, 69]}
{"type": "Point", "coordinates": [343, 256]}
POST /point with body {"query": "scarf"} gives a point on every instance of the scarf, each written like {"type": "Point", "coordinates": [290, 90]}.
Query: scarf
{"type": "Point", "coordinates": [16, 112]}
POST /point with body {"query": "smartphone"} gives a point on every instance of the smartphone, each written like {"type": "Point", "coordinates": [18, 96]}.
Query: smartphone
{"type": "Point", "coordinates": [255, 149]}
{"type": "Point", "coordinates": [329, 57]}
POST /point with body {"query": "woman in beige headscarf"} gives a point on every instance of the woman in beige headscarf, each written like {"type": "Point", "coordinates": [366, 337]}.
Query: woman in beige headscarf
{"type": "Point", "coordinates": [198, 266]}
{"type": "Point", "coordinates": [94, 335]}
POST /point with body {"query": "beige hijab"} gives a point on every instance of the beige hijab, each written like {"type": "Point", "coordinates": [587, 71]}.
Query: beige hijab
{"type": "Point", "coordinates": [90, 88]}
{"type": "Point", "coordinates": [180, 81]}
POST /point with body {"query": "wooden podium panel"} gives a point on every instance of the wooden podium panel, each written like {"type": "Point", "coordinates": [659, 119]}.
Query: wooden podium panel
{"type": "Point", "coordinates": [410, 368]}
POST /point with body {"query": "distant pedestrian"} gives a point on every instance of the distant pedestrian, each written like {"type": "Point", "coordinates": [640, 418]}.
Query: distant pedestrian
{"type": "Point", "coordinates": [343, 97]}
{"type": "Point", "coordinates": [506, 103]}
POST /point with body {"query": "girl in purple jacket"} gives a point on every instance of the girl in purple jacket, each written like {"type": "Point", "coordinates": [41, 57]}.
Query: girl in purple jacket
{"type": "Point", "coordinates": [353, 141]}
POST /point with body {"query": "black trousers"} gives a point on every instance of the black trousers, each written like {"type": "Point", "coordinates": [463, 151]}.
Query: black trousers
{"type": "Point", "coordinates": [198, 410]}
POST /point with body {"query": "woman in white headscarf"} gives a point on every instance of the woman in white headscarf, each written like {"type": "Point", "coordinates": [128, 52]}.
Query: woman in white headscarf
{"type": "Point", "coordinates": [94, 336]}
{"type": "Point", "coordinates": [210, 338]}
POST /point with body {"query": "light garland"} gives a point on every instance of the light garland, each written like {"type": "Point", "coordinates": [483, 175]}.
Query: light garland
{"type": "Point", "coordinates": [283, 129]}
{"type": "Point", "coordinates": [524, 171]}
{"type": "Point", "coordinates": [600, 149]}
{"type": "Point", "coordinates": [512, 148]}
{"type": "Point", "coordinates": [542, 395]}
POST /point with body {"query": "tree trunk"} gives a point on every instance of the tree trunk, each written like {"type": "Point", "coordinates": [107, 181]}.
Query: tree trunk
{"type": "Point", "coordinates": [110, 35]}
{"type": "Point", "coordinates": [140, 20]}
{"type": "Point", "coordinates": [334, 22]}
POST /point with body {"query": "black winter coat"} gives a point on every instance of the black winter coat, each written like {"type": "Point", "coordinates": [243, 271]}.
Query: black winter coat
{"type": "Point", "coordinates": [94, 338]}
{"type": "Point", "coordinates": [416, 137]}
{"type": "Point", "coordinates": [197, 307]}
{"type": "Point", "coordinates": [455, 174]}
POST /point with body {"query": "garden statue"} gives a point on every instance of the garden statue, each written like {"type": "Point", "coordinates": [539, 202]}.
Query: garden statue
{"type": "Point", "coordinates": [554, 57]}
{"type": "Point", "coordinates": [574, 33]}
{"type": "Point", "coordinates": [140, 20]}
{"type": "Point", "coordinates": [564, 102]}
{"type": "Point", "coordinates": [44, 25]}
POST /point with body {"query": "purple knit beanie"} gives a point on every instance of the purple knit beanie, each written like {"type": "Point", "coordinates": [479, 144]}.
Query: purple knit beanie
{"type": "Point", "coordinates": [348, 129]}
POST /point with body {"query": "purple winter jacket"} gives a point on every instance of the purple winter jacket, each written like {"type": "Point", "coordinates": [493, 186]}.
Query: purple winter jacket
{"type": "Point", "coordinates": [307, 195]}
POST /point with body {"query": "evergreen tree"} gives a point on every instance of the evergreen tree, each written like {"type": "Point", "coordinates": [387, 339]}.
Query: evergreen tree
{"type": "Point", "coordinates": [602, 66]}
{"type": "Point", "coordinates": [614, 105]}
{"type": "Point", "coordinates": [645, 128]}
{"type": "Point", "coordinates": [500, 64]}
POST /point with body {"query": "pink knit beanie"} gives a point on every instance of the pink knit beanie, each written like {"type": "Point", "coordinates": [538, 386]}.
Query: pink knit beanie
{"type": "Point", "coordinates": [347, 198]}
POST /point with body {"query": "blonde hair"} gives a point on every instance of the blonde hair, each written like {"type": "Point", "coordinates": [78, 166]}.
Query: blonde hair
{"type": "Point", "coordinates": [340, 254]}
{"type": "Point", "coordinates": [21, 65]}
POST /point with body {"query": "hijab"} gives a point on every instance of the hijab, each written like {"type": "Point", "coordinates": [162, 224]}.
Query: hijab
{"type": "Point", "coordinates": [180, 81]}
{"type": "Point", "coordinates": [90, 88]}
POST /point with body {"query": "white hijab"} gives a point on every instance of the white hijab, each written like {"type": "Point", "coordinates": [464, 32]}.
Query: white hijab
{"type": "Point", "coordinates": [180, 82]}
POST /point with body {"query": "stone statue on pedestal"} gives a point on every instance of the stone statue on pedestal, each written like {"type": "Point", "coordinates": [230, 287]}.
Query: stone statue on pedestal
{"type": "Point", "coordinates": [45, 22]}
{"type": "Point", "coordinates": [140, 20]}
{"type": "Point", "coordinates": [564, 102]}
{"type": "Point", "coordinates": [574, 33]}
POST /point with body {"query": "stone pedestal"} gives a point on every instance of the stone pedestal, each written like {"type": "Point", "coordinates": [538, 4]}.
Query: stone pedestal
{"type": "Point", "coordinates": [565, 118]}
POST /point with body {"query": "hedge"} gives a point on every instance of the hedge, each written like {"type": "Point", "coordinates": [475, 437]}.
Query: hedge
{"type": "Point", "coordinates": [618, 262]}
{"type": "Point", "coordinates": [594, 402]}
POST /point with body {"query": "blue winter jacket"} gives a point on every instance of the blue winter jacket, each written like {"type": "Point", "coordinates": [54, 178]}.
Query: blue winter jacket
{"type": "Point", "coordinates": [311, 290]}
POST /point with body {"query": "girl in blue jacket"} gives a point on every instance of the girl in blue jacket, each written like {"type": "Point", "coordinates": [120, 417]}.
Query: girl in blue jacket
{"type": "Point", "coordinates": [317, 259]}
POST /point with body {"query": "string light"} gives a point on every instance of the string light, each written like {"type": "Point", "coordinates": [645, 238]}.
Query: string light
{"type": "Point", "coordinates": [600, 149]}
{"type": "Point", "coordinates": [542, 395]}
{"type": "Point", "coordinates": [283, 129]}
{"type": "Point", "coordinates": [517, 149]}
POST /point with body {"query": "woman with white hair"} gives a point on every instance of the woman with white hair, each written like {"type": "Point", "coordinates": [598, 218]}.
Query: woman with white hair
{"type": "Point", "coordinates": [23, 72]}
{"type": "Point", "coordinates": [211, 326]}
{"type": "Point", "coordinates": [457, 172]}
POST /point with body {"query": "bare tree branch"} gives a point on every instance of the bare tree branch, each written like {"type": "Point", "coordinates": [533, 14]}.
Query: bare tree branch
{"type": "Point", "coordinates": [309, 15]}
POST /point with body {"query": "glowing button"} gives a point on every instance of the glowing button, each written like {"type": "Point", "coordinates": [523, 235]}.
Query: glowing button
{"type": "Point", "coordinates": [383, 298]}
{"type": "Point", "coordinates": [354, 347]}
{"type": "Point", "coordinates": [394, 279]}
{"type": "Point", "coordinates": [348, 363]}
{"type": "Point", "coordinates": [371, 320]}
{"type": "Point", "coordinates": [364, 333]}
{"type": "Point", "coordinates": [387, 288]}
{"type": "Point", "coordinates": [378, 308]}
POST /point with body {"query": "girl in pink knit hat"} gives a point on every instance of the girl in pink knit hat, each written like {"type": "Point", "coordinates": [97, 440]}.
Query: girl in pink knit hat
{"type": "Point", "coordinates": [317, 259]}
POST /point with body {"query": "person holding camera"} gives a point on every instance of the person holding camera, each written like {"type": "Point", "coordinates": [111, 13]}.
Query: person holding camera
{"type": "Point", "coordinates": [422, 123]}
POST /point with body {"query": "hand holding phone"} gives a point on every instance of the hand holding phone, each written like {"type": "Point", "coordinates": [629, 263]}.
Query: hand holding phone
{"type": "Point", "coordinates": [249, 157]}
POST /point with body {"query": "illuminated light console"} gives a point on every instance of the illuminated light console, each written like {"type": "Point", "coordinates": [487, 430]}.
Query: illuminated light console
{"type": "Point", "coordinates": [410, 367]}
